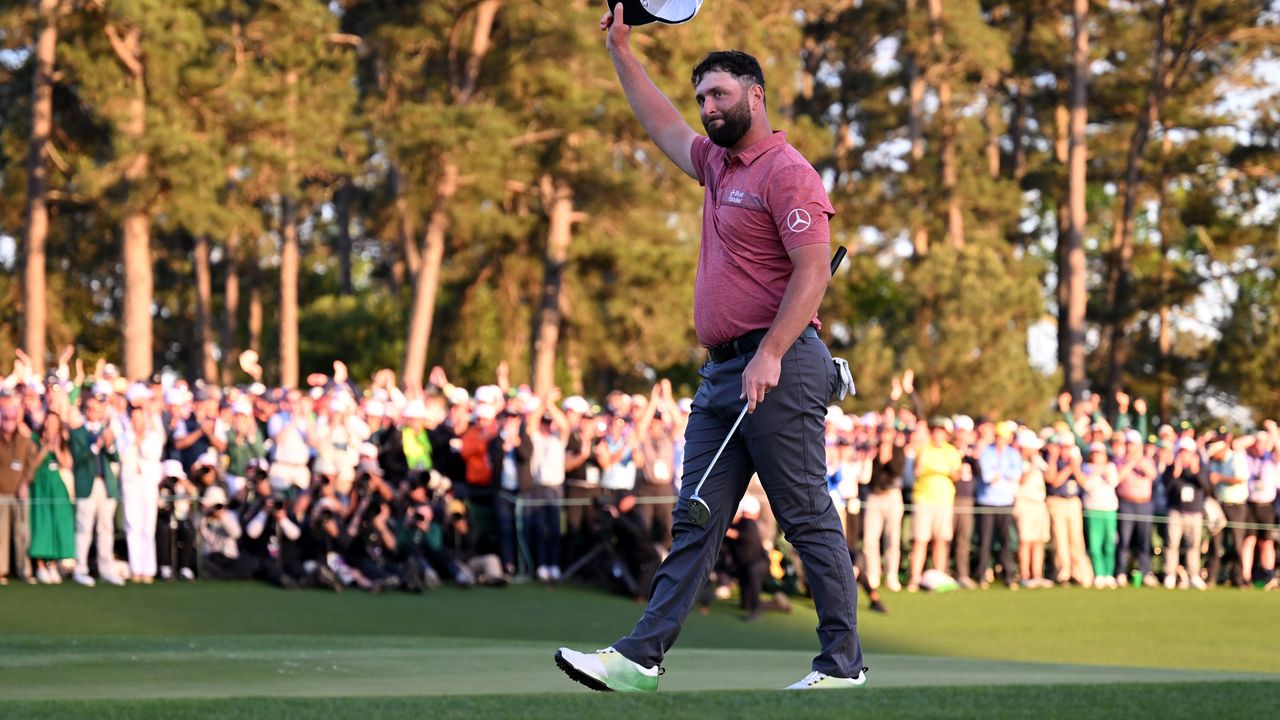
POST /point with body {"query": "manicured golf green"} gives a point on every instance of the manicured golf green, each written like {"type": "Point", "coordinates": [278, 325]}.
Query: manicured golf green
{"type": "Point", "coordinates": [247, 650]}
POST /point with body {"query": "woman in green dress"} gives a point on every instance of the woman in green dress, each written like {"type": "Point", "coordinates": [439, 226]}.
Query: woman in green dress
{"type": "Point", "coordinates": [53, 514]}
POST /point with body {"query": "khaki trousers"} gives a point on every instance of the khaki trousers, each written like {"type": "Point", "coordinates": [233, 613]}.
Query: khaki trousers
{"type": "Point", "coordinates": [16, 520]}
{"type": "Point", "coordinates": [882, 518]}
{"type": "Point", "coordinates": [1071, 561]}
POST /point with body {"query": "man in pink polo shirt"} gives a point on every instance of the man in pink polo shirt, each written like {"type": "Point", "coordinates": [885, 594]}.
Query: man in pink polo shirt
{"type": "Point", "coordinates": [762, 271]}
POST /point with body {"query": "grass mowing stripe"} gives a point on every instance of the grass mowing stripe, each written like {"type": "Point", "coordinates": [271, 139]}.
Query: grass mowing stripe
{"type": "Point", "coordinates": [290, 666]}
{"type": "Point", "coordinates": [1045, 702]}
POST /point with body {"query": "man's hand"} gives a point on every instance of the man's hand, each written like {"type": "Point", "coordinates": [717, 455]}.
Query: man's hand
{"type": "Point", "coordinates": [1064, 402]}
{"type": "Point", "coordinates": [1140, 406]}
{"type": "Point", "coordinates": [618, 35]}
{"type": "Point", "coordinates": [759, 378]}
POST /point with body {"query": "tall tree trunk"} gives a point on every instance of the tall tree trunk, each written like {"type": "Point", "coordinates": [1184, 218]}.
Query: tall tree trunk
{"type": "Point", "coordinates": [1076, 215]}
{"type": "Point", "coordinates": [35, 301]}
{"type": "Point", "coordinates": [255, 313]}
{"type": "Point", "coordinates": [1017, 124]}
{"type": "Point", "coordinates": [289, 255]}
{"type": "Point", "coordinates": [1164, 342]}
{"type": "Point", "coordinates": [1061, 153]}
{"type": "Point", "coordinates": [427, 283]}
{"type": "Point", "coordinates": [342, 212]}
{"type": "Point", "coordinates": [409, 260]}
{"type": "Point", "coordinates": [1121, 261]}
{"type": "Point", "coordinates": [136, 225]}
{"type": "Point", "coordinates": [946, 110]}
{"type": "Point", "coordinates": [231, 309]}
{"type": "Point", "coordinates": [204, 310]}
{"type": "Point", "coordinates": [288, 292]}
{"type": "Point", "coordinates": [557, 198]}
{"type": "Point", "coordinates": [991, 123]}
{"type": "Point", "coordinates": [915, 122]}
{"type": "Point", "coordinates": [463, 75]}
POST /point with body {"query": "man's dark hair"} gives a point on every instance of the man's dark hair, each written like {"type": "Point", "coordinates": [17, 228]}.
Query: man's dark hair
{"type": "Point", "coordinates": [735, 62]}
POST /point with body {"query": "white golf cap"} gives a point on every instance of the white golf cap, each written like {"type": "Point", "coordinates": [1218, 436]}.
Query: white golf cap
{"type": "Point", "coordinates": [643, 12]}
{"type": "Point", "coordinates": [213, 495]}
{"type": "Point", "coordinates": [577, 404]}
{"type": "Point", "coordinates": [415, 410]}
{"type": "Point", "coordinates": [173, 469]}
{"type": "Point", "coordinates": [749, 505]}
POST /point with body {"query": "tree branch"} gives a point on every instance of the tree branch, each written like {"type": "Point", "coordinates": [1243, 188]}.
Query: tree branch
{"type": "Point", "coordinates": [122, 47]}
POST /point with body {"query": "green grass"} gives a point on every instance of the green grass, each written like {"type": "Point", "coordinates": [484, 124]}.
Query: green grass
{"type": "Point", "coordinates": [1045, 702]}
{"type": "Point", "coordinates": [247, 650]}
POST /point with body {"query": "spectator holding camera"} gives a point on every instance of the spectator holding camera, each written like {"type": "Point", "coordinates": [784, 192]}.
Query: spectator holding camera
{"type": "Point", "coordinates": [271, 537]}
{"type": "Point", "coordinates": [175, 527]}
{"type": "Point", "coordinates": [655, 457]}
{"type": "Point", "coordinates": [547, 462]}
{"type": "Point", "coordinates": [246, 444]}
{"type": "Point", "coordinates": [1187, 487]}
{"type": "Point", "coordinates": [220, 533]}
{"type": "Point", "coordinates": [581, 477]}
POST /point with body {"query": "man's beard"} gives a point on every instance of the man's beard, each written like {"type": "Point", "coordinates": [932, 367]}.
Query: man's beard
{"type": "Point", "coordinates": [737, 121]}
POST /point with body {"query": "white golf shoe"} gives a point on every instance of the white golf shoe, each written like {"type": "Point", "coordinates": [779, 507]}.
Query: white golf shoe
{"type": "Point", "coordinates": [821, 681]}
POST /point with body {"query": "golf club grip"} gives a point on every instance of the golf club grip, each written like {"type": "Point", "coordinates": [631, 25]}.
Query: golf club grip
{"type": "Point", "coordinates": [838, 258]}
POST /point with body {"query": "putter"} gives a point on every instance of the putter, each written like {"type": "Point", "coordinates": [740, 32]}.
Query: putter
{"type": "Point", "coordinates": [699, 510]}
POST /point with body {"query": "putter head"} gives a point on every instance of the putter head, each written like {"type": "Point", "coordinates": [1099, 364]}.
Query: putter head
{"type": "Point", "coordinates": [699, 511]}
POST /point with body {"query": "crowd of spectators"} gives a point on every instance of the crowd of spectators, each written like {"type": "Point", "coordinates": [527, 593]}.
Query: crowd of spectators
{"type": "Point", "coordinates": [341, 486]}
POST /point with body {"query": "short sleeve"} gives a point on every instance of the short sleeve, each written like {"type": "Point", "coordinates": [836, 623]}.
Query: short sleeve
{"type": "Point", "coordinates": [799, 206]}
{"type": "Point", "coordinates": [698, 154]}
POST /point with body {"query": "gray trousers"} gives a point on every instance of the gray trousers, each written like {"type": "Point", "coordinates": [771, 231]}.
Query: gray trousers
{"type": "Point", "coordinates": [782, 442]}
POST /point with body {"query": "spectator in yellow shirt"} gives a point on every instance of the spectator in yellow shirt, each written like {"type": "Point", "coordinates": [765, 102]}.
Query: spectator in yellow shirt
{"type": "Point", "coordinates": [936, 469]}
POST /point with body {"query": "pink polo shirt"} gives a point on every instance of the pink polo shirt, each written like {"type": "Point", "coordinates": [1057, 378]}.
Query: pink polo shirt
{"type": "Point", "coordinates": [758, 206]}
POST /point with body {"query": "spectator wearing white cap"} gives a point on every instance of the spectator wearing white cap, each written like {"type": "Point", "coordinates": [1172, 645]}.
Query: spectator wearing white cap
{"type": "Point", "coordinates": [1187, 487]}
{"type": "Point", "coordinates": [548, 432]}
{"type": "Point", "coordinates": [201, 431]}
{"type": "Point", "coordinates": [220, 533]}
{"type": "Point", "coordinates": [336, 436]}
{"type": "Point", "coordinates": [1066, 519]}
{"type": "Point", "coordinates": [1229, 475]}
{"type": "Point", "coordinates": [746, 548]}
{"type": "Point", "coordinates": [245, 444]}
{"type": "Point", "coordinates": [1001, 466]}
{"type": "Point", "coordinates": [1264, 488]}
{"type": "Point", "coordinates": [582, 478]}
{"type": "Point", "coordinates": [964, 520]}
{"type": "Point", "coordinates": [175, 526]}
{"type": "Point", "coordinates": [658, 426]}
{"type": "Point", "coordinates": [96, 455]}
{"type": "Point", "coordinates": [141, 456]}
{"type": "Point", "coordinates": [1099, 481]}
{"type": "Point", "coordinates": [1137, 475]}
{"type": "Point", "coordinates": [937, 465]}
{"type": "Point", "coordinates": [1030, 513]}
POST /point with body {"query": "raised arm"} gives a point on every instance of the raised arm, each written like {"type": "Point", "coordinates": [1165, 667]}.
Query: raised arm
{"type": "Point", "coordinates": [655, 112]}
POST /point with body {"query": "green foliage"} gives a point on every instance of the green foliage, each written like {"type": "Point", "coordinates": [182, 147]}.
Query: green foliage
{"type": "Point", "coordinates": [252, 101]}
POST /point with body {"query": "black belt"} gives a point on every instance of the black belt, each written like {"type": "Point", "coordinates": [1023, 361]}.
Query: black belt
{"type": "Point", "coordinates": [746, 344]}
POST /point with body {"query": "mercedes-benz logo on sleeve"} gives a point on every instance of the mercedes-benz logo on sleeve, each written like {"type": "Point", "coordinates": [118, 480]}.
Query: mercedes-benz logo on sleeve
{"type": "Point", "coordinates": [798, 220]}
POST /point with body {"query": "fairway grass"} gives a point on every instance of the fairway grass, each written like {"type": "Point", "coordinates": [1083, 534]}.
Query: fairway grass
{"type": "Point", "coordinates": [248, 650]}
{"type": "Point", "coordinates": [1043, 702]}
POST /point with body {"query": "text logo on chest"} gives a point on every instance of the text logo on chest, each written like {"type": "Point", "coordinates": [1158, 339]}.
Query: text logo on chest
{"type": "Point", "coordinates": [736, 196]}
